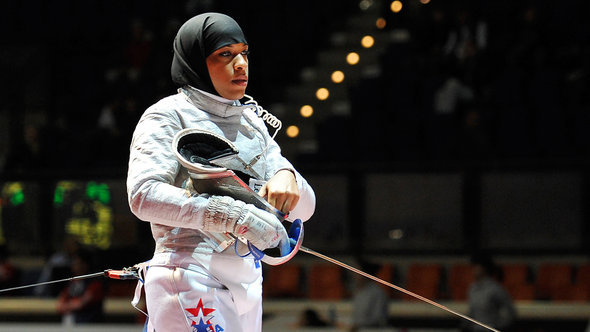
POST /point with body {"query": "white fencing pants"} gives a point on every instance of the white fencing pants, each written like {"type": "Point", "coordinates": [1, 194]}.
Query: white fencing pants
{"type": "Point", "coordinates": [180, 299]}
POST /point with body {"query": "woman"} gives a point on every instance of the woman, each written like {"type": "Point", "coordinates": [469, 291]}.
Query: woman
{"type": "Point", "coordinates": [189, 284]}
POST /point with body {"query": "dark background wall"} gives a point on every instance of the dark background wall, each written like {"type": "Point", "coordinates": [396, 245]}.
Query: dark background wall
{"type": "Point", "coordinates": [504, 169]}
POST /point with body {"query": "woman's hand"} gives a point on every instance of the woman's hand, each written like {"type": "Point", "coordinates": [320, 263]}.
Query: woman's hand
{"type": "Point", "coordinates": [281, 191]}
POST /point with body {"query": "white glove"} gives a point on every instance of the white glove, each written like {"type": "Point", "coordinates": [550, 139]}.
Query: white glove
{"type": "Point", "coordinates": [261, 228]}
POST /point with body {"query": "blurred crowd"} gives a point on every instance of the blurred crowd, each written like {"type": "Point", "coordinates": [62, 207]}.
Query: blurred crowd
{"type": "Point", "coordinates": [475, 80]}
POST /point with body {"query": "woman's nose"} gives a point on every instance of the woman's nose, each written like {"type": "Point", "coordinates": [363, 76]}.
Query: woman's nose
{"type": "Point", "coordinates": [240, 63]}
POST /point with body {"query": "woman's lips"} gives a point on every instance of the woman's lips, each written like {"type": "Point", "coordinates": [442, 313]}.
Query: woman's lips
{"type": "Point", "coordinates": [241, 80]}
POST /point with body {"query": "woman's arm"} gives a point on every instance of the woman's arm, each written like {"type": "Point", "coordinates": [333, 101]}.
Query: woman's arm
{"type": "Point", "coordinates": [153, 167]}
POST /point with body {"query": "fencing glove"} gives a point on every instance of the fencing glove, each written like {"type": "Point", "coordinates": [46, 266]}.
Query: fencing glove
{"type": "Point", "coordinates": [261, 228]}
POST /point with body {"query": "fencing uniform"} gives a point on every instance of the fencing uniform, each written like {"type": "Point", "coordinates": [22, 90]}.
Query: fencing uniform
{"type": "Point", "coordinates": [156, 195]}
{"type": "Point", "coordinates": [190, 286]}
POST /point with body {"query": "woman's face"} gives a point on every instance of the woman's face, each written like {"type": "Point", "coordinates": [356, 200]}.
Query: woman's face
{"type": "Point", "coordinates": [228, 69]}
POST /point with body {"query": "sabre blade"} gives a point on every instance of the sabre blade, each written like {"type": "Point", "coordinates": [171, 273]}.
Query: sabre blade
{"type": "Point", "coordinates": [126, 273]}
{"type": "Point", "coordinates": [388, 284]}
{"type": "Point", "coordinates": [86, 276]}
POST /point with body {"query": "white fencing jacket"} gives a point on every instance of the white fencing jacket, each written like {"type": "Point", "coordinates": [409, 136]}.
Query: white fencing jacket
{"type": "Point", "coordinates": [155, 177]}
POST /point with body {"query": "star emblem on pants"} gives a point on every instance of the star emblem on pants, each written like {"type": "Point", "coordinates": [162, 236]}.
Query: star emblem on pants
{"type": "Point", "coordinates": [201, 312]}
{"type": "Point", "coordinates": [201, 308]}
{"type": "Point", "coordinates": [202, 326]}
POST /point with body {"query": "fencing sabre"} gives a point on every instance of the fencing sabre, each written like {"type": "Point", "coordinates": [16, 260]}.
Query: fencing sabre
{"type": "Point", "coordinates": [296, 237]}
{"type": "Point", "coordinates": [125, 274]}
{"type": "Point", "coordinates": [133, 273]}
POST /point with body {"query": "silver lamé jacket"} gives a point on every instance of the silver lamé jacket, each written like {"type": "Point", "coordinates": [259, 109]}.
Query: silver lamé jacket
{"type": "Point", "coordinates": [155, 177]}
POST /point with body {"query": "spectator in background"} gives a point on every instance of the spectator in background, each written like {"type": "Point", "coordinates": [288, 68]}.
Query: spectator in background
{"type": "Point", "coordinates": [28, 152]}
{"type": "Point", "coordinates": [57, 267]}
{"type": "Point", "coordinates": [489, 302]}
{"type": "Point", "coordinates": [8, 272]}
{"type": "Point", "coordinates": [370, 302]}
{"type": "Point", "coordinates": [138, 49]}
{"type": "Point", "coordinates": [467, 36]}
{"type": "Point", "coordinates": [81, 301]}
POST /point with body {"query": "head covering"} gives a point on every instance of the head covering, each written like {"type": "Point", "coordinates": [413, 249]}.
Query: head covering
{"type": "Point", "coordinates": [196, 39]}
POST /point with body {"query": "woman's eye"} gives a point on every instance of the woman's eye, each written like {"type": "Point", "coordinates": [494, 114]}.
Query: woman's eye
{"type": "Point", "coordinates": [229, 53]}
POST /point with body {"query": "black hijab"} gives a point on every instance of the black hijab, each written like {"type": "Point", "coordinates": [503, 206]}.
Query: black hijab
{"type": "Point", "coordinates": [196, 39]}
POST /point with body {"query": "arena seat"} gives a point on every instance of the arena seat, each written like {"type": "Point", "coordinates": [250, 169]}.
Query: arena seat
{"type": "Point", "coordinates": [424, 280]}
{"type": "Point", "coordinates": [387, 273]}
{"type": "Point", "coordinates": [460, 278]}
{"type": "Point", "coordinates": [283, 281]}
{"type": "Point", "coordinates": [580, 289]}
{"type": "Point", "coordinates": [521, 292]}
{"type": "Point", "coordinates": [553, 281]}
{"type": "Point", "coordinates": [582, 276]}
{"type": "Point", "coordinates": [325, 282]}
{"type": "Point", "coordinates": [516, 278]}
{"type": "Point", "coordinates": [515, 274]}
